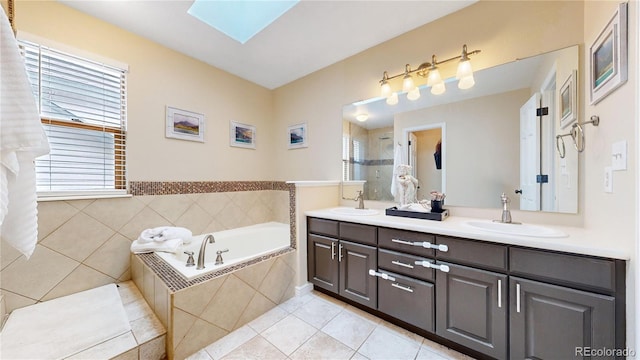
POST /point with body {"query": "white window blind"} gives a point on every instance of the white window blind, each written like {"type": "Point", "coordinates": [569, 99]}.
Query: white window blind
{"type": "Point", "coordinates": [83, 110]}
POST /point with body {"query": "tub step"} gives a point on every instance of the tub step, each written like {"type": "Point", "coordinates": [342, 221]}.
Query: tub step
{"type": "Point", "coordinates": [65, 326]}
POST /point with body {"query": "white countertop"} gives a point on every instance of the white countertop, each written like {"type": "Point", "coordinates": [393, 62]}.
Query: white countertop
{"type": "Point", "coordinates": [579, 240]}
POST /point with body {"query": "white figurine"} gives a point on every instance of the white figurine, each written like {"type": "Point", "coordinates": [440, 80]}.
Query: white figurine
{"type": "Point", "coordinates": [406, 185]}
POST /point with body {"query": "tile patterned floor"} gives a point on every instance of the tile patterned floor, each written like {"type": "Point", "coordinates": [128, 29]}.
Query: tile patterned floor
{"type": "Point", "coordinates": [316, 326]}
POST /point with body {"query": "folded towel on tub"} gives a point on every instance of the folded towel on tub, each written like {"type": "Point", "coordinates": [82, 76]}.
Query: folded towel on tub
{"type": "Point", "coordinates": [165, 246]}
{"type": "Point", "coordinates": [164, 233]}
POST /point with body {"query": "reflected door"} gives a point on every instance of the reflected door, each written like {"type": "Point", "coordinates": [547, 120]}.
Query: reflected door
{"type": "Point", "coordinates": [529, 154]}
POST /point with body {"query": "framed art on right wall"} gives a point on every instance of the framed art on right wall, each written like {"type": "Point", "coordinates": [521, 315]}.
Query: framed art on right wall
{"type": "Point", "coordinates": [608, 60]}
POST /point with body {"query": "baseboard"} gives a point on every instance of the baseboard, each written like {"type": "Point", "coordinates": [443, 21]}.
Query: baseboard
{"type": "Point", "coordinates": [304, 289]}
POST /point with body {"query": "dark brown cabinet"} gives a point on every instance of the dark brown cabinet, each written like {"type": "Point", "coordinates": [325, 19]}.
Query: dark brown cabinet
{"type": "Point", "coordinates": [355, 282]}
{"type": "Point", "coordinates": [322, 264]}
{"type": "Point", "coordinates": [555, 322]}
{"type": "Point", "coordinates": [492, 300]}
{"type": "Point", "coordinates": [340, 266]}
{"type": "Point", "coordinates": [472, 308]}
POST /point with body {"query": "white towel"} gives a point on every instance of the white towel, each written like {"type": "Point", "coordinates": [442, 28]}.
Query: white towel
{"type": "Point", "coordinates": [164, 233]}
{"type": "Point", "coordinates": [165, 246]}
{"type": "Point", "coordinates": [398, 159]}
{"type": "Point", "coordinates": [22, 139]}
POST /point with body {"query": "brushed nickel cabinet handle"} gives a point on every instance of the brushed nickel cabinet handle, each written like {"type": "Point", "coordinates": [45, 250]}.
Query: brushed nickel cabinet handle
{"type": "Point", "coordinates": [402, 287]}
{"type": "Point", "coordinates": [396, 262]}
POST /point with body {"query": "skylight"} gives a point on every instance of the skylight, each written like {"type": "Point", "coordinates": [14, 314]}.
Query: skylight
{"type": "Point", "coordinates": [239, 19]}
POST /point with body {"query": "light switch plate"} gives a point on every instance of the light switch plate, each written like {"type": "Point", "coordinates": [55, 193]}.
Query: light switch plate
{"type": "Point", "coordinates": [608, 179]}
{"type": "Point", "coordinates": [619, 156]}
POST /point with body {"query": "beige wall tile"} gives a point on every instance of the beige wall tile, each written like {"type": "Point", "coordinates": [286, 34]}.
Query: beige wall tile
{"type": "Point", "coordinates": [129, 292]}
{"type": "Point", "coordinates": [182, 323]}
{"type": "Point", "coordinates": [232, 216]}
{"type": "Point", "coordinates": [8, 253]}
{"type": "Point", "coordinates": [148, 285]}
{"type": "Point", "coordinates": [78, 237]}
{"type": "Point", "coordinates": [171, 207]}
{"type": "Point", "coordinates": [213, 226]}
{"type": "Point", "coordinates": [80, 204]}
{"type": "Point", "coordinates": [112, 258]}
{"type": "Point", "coordinates": [51, 215]}
{"type": "Point", "coordinates": [246, 200]}
{"type": "Point", "coordinates": [114, 212]}
{"type": "Point", "coordinates": [161, 302]}
{"type": "Point", "coordinates": [229, 302]}
{"type": "Point", "coordinates": [200, 335]}
{"type": "Point", "coordinates": [82, 278]}
{"type": "Point", "coordinates": [37, 276]}
{"type": "Point", "coordinates": [255, 274]}
{"type": "Point", "coordinates": [137, 271]}
{"type": "Point", "coordinates": [194, 219]}
{"type": "Point", "coordinates": [258, 306]}
{"type": "Point", "coordinates": [16, 301]}
{"type": "Point", "coordinates": [195, 298]}
{"type": "Point", "coordinates": [214, 203]}
{"type": "Point", "coordinates": [154, 349]}
{"type": "Point", "coordinates": [147, 328]}
{"type": "Point", "coordinates": [277, 281]}
{"type": "Point", "coordinates": [145, 219]}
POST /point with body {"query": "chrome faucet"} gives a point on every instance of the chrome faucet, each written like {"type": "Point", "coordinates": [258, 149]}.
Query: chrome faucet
{"type": "Point", "coordinates": [506, 214]}
{"type": "Point", "coordinates": [202, 247]}
{"type": "Point", "coordinates": [360, 199]}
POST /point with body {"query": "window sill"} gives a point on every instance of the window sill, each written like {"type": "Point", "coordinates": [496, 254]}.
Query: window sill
{"type": "Point", "coordinates": [59, 196]}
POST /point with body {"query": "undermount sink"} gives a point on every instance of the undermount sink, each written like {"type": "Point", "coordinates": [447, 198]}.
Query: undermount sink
{"type": "Point", "coordinates": [516, 229]}
{"type": "Point", "coordinates": [354, 211]}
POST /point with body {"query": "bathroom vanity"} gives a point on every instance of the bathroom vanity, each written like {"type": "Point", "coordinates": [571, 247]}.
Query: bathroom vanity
{"type": "Point", "coordinates": [489, 295]}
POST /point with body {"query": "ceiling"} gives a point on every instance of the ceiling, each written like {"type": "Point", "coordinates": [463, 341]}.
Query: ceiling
{"type": "Point", "coordinates": [309, 37]}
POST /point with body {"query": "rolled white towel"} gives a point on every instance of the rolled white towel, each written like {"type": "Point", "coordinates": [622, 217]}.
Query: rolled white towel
{"type": "Point", "coordinates": [164, 233]}
{"type": "Point", "coordinates": [165, 246]}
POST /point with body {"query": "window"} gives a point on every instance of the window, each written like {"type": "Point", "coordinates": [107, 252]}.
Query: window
{"type": "Point", "coordinates": [83, 110]}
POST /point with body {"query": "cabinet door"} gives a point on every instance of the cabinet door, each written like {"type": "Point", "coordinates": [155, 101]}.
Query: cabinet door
{"type": "Point", "coordinates": [471, 308]}
{"type": "Point", "coordinates": [407, 299]}
{"type": "Point", "coordinates": [323, 262]}
{"type": "Point", "coordinates": [554, 322]}
{"type": "Point", "coordinates": [355, 282]}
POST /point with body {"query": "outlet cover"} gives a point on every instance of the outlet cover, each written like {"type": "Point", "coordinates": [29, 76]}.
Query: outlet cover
{"type": "Point", "coordinates": [619, 156]}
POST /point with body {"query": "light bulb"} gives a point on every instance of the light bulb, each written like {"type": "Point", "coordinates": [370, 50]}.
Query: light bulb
{"type": "Point", "coordinates": [414, 94]}
{"type": "Point", "coordinates": [435, 81]}
{"type": "Point", "coordinates": [392, 99]}
{"type": "Point", "coordinates": [407, 83]}
{"type": "Point", "coordinates": [362, 117]}
{"type": "Point", "coordinates": [385, 89]}
{"type": "Point", "coordinates": [465, 74]}
{"type": "Point", "coordinates": [466, 82]}
{"type": "Point", "coordinates": [438, 88]}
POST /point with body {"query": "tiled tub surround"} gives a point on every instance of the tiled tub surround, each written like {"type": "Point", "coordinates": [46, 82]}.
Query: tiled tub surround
{"type": "Point", "coordinates": [83, 244]}
{"type": "Point", "coordinates": [205, 309]}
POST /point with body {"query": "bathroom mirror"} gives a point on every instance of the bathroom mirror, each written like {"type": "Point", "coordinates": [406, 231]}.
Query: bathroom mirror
{"type": "Point", "coordinates": [489, 139]}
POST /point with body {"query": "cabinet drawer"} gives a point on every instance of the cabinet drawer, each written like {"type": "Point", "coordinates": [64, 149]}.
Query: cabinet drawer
{"type": "Point", "coordinates": [584, 272]}
{"type": "Point", "coordinates": [365, 234]}
{"type": "Point", "coordinates": [475, 253]}
{"type": "Point", "coordinates": [405, 264]}
{"type": "Point", "coordinates": [406, 241]}
{"type": "Point", "coordinates": [406, 299]}
{"type": "Point", "coordinates": [323, 227]}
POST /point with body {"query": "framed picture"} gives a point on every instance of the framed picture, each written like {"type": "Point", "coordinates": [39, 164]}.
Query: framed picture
{"type": "Point", "coordinates": [297, 136]}
{"type": "Point", "coordinates": [568, 100]}
{"type": "Point", "coordinates": [184, 125]}
{"type": "Point", "coordinates": [608, 69]}
{"type": "Point", "coordinates": [242, 135]}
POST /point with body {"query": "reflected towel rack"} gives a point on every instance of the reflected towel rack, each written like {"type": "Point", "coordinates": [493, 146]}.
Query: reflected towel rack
{"type": "Point", "coordinates": [576, 130]}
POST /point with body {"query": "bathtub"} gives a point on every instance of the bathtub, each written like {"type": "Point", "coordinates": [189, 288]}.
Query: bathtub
{"type": "Point", "coordinates": [244, 244]}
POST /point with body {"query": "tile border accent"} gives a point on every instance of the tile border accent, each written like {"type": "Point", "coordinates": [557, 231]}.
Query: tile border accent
{"type": "Point", "coordinates": [138, 188]}
{"type": "Point", "coordinates": [175, 282]}
{"type": "Point", "coordinates": [164, 271]}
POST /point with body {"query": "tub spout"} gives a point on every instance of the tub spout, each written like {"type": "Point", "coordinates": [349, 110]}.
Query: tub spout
{"type": "Point", "coordinates": [202, 248]}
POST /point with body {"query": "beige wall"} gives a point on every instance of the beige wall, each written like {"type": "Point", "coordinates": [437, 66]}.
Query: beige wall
{"type": "Point", "coordinates": [159, 77]}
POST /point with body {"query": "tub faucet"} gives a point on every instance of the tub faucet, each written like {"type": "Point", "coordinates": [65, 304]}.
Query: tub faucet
{"type": "Point", "coordinates": [202, 248]}
{"type": "Point", "coordinates": [360, 199]}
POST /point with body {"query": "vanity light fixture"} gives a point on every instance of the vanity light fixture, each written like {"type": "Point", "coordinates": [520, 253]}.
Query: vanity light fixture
{"type": "Point", "coordinates": [464, 75]}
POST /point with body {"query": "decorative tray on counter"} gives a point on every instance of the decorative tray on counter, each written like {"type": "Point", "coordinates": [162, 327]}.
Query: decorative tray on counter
{"type": "Point", "coordinates": [393, 211]}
